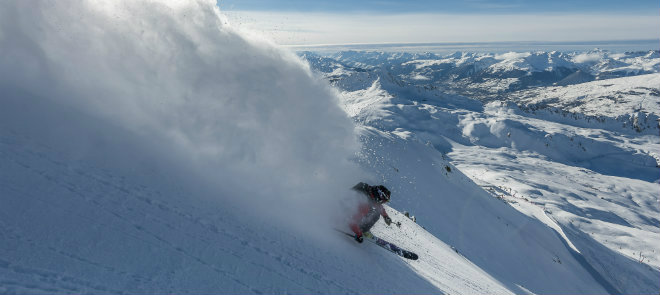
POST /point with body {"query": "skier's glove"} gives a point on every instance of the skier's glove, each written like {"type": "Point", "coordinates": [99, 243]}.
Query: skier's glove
{"type": "Point", "coordinates": [388, 220]}
{"type": "Point", "coordinates": [358, 238]}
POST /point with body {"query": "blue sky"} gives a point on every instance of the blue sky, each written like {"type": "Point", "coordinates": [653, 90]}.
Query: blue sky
{"type": "Point", "coordinates": [457, 6]}
{"type": "Point", "coordinates": [311, 22]}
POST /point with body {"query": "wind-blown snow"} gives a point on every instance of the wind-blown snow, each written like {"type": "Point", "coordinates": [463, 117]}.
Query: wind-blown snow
{"type": "Point", "coordinates": [176, 73]}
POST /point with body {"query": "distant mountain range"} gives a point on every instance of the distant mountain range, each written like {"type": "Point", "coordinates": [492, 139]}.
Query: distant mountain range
{"type": "Point", "coordinates": [527, 79]}
{"type": "Point", "coordinates": [487, 74]}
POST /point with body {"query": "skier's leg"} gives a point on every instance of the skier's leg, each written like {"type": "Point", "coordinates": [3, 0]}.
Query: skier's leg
{"type": "Point", "coordinates": [357, 220]}
{"type": "Point", "coordinates": [369, 220]}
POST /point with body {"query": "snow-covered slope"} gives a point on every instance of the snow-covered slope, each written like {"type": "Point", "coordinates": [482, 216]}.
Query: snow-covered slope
{"type": "Point", "coordinates": [91, 207]}
{"type": "Point", "coordinates": [623, 104]}
{"type": "Point", "coordinates": [88, 207]}
{"type": "Point", "coordinates": [520, 252]}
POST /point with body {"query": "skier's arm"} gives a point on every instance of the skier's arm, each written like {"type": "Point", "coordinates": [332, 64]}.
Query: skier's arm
{"type": "Point", "coordinates": [382, 211]}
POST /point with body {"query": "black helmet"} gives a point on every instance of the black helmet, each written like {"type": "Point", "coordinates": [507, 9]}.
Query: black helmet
{"type": "Point", "coordinates": [381, 194]}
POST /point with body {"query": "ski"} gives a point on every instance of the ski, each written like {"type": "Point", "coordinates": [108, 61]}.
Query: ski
{"type": "Point", "coordinates": [386, 245]}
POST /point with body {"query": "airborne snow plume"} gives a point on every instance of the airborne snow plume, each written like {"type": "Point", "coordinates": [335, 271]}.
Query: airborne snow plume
{"type": "Point", "coordinates": [174, 72]}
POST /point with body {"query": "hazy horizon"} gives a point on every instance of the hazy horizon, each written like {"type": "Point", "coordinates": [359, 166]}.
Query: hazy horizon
{"type": "Point", "coordinates": [487, 47]}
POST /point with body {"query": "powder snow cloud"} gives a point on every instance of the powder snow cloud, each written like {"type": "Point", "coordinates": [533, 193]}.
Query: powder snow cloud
{"type": "Point", "coordinates": [250, 117]}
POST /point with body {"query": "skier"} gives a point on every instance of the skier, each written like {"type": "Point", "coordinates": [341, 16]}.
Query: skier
{"type": "Point", "coordinates": [370, 209]}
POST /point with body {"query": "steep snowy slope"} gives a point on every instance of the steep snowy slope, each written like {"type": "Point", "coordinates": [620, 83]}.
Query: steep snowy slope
{"type": "Point", "coordinates": [88, 207]}
{"type": "Point", "coordinates": [519, 251]}
{"type": "Point", "coordinates": [98, 209]}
